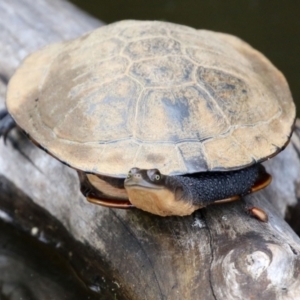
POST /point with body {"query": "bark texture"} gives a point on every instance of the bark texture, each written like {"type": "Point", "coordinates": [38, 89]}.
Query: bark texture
{"type": "Point", "coordinates": [217, 253]}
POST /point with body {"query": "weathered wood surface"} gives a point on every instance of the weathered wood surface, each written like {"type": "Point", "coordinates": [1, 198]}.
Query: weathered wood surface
{"type": "Point", "coordinates": [217, 253]}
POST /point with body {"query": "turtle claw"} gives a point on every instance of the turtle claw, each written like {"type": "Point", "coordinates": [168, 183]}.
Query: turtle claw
{"type": "Point", "coordinates": [258, 213]}
{"type": "Point", "coordinates": [7, 123]}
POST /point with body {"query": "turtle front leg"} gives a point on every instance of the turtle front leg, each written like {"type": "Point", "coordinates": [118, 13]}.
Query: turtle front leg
{"type": "Point", "coordinates": [7, 123]}
{"type": "Point", "coordinates": [257, 213]}
{"type": "Point", "coordinates": [253, 211]}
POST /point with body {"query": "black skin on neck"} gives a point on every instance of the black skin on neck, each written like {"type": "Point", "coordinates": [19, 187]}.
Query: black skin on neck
{"type": "Point", "coordinates": [207, 187]}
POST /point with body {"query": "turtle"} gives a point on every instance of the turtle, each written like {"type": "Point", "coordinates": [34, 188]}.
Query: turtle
{"type": "Point", "coordinates": [155, 115]}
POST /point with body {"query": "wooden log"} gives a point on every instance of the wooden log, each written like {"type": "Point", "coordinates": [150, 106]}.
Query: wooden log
{"type": "Point", "coordinates": [219, 252]}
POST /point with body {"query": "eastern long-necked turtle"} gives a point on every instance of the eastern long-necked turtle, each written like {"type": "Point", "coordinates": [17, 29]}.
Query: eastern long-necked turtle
{"type": "Point", "coordinates": [203, 108]}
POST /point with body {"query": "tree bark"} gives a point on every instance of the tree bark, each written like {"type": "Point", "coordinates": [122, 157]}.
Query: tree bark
{"type": "Point", "coordinates": [219, 252]}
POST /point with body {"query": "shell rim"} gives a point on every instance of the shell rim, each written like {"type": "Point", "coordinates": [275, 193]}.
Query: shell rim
{"type": "Point", "coordinates": [279, 149]}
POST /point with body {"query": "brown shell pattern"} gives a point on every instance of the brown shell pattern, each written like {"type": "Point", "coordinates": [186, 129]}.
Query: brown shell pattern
{"type": "Point", "coordinates": [153, 94]}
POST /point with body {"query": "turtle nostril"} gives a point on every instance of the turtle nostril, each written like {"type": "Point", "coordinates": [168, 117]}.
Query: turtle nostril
{"type": "Point", "coordinates": [137, 175]}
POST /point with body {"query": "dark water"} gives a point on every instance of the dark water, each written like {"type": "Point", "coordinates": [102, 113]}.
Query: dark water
{"type": "Point", "coordinates": [273, 27]}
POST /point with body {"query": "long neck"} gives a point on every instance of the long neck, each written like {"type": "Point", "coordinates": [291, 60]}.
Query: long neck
{"type": "Point", "coordinates": [207, 187]}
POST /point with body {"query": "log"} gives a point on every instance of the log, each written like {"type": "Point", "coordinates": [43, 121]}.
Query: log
{"type": "Point", "coordinates": [219, 252]}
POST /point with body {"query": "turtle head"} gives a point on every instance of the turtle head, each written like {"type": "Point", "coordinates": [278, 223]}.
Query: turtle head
{"type": "Point", "coordinates": [156, 193]}
{"type": "Point", "coordinates": [142, 178]}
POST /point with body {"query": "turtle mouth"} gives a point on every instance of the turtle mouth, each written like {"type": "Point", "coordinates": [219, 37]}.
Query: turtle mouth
{"type": "Point", "coordinates": [139, 183]}
{"type": "Point", "coordinates": [143, 186]}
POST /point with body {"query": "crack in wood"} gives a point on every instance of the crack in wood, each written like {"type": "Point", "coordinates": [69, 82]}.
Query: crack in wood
{"type": "Point", "coordinates": [15, 146]}
{"type": "Point", "coordinates": [128, 229]}
{"type": "Point", "coordinates": [4, 78]}
{"type": "Point", "coordinates": [211, 254]}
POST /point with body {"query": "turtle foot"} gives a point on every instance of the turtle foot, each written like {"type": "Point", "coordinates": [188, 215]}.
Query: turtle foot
{"type": "Point", "coordinates": [258, 213]}
{"type": "Point", "coordinates": [7, 123]}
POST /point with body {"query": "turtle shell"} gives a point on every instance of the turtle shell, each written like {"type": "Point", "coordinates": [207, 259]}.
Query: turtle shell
{"type": "Point", "coordinates": [153, 94]}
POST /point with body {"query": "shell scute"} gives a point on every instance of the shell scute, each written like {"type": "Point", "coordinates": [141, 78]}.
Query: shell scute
{"type": "Point", "coordinates": [185, 114]}
{"type": "Point", "coordinates": [163, 71]}
{"type": "Point", "coordinates": [93, 116]}
{"type": "Point", "coordinates": [152, 47]}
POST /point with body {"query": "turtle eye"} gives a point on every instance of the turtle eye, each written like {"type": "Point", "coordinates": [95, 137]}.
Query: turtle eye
{"type": "Point", "coordinates": [156, 175]}
{"type": "Point", "coordinates": [129, 174]}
